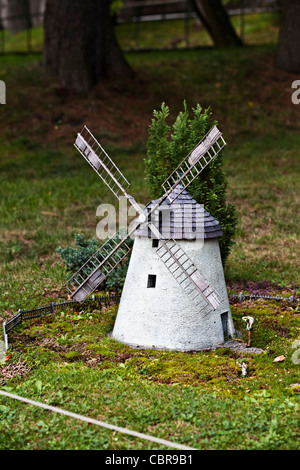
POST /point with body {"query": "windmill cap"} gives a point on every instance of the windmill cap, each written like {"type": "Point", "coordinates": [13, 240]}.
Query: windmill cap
{"type": "Point", "coordinates": [182, 219]}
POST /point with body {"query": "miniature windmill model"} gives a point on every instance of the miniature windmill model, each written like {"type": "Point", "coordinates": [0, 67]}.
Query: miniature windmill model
{"type": "Point", "coordinates": [194, 284]}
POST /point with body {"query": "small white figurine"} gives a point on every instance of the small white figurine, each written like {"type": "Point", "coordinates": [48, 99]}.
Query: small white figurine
{"type": "Point", "coordinates": [249, 325]}
{"type": "Point", "coordinates": [244, 369]}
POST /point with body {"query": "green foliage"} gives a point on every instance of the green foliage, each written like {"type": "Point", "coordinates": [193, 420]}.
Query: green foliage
{"type": "Point", "coordinates": [72, 355]}
{"type": "Point", "coordinates": [115, 7]}
{"type": "Point", "coordinates": [117, 277]}
{"type": "Point", "coordinates": [75, 257]}
{"type": "Point", "coordinates": [166, 148]}
{"type": "Point", "coordinates": [201, 399]}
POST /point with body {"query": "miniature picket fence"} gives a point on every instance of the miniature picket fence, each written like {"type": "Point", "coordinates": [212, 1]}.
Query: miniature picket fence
{"type": "Point", "coordinates": [28, 314]}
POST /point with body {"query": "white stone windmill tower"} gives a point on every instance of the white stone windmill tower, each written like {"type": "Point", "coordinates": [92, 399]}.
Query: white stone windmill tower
{"type": "Point", "coordinates": [174, 296]}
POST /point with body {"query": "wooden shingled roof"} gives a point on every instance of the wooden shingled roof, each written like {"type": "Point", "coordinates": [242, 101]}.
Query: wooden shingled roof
{"type": "Point", "coordinates": [182, 219]}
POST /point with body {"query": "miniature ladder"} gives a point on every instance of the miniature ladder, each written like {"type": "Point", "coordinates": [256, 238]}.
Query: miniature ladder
{"type": "Point", "coordinates": [204, 152]}
{"type": "Point", "coordinates": [96, 156]}
{"type": "Point", "coordinates": [186, 274]}
{"type": "Point", "coordinates": [97, 268]}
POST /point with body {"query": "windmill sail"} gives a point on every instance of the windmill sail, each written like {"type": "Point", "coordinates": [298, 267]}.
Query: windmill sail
{"type": "Point", "coordinates": [96, 156]}
{"type": "Point", "coordinates": [104, 260]}
{"type": "Point", "coordinates": [204, 152]}
{"type": "Point", "coordinates": [96, 269]}
{"type": "Point", "coordinates": [186, 274]}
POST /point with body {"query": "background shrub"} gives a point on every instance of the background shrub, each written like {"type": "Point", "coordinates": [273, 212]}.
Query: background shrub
{"type": "Point", "coordinates": [168, 146]}
{"type": "Point", "coordinates": [75, 257]}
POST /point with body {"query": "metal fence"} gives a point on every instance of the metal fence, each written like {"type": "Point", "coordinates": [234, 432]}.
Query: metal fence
{"type": "Point", "coordinates": [277, 298]}
{"type": "Point", "coordinates": [36, 312]}
{"type": "Point", "coordinates": [25, 42]}
{"type": "Point", "coordinates": [133, 11]}
{"type": "Point", "coordinates": [106, 300]}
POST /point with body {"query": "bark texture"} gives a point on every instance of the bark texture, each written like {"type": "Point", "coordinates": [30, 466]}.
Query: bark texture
{"type": "Point", "coordinates": [217, 22]}
{"type": "Point", "coordinates": [288, 53]}
{"type": "Point", "coordinates": [80, 45]}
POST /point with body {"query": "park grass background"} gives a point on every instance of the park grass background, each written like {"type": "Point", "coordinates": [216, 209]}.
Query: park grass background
{"type": "Point", "coordinates": [48, 194]}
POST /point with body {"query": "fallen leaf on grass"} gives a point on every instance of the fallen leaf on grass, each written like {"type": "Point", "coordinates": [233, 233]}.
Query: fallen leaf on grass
{"type": "Point", "coordinates": [279, 359]}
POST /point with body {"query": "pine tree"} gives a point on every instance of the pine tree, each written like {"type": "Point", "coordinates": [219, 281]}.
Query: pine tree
{"type": "Point", "coordinates": [168, 146]}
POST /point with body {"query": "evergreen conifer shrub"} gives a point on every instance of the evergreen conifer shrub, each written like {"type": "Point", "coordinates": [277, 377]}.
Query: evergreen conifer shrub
{"type": "Point", "coordinates": [168, 145]}
{"type": "Point", "coordinates": [75, 257]}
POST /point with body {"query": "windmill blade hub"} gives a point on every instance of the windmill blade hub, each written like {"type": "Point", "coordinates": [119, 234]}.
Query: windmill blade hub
{"type": "Point", "coordinates": [142, 218]}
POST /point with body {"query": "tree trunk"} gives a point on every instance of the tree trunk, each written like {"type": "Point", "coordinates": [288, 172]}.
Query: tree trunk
{"type": "Point", "coordinates": [217, 22]}
{"type": "Point", "coordinates": [80, 45]}
{"type": "Point", "coordinates": [288, 53]}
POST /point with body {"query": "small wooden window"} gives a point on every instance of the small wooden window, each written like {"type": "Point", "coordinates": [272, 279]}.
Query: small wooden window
{"type": "Point", "coordinates": [155, 243]}
{"type": "Point", "coordinates": [151, 280]}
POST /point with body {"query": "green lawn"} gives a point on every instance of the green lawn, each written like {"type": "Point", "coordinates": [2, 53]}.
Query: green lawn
{"type": "Point", "coordinates": [48, 193]}
{"type": "Point", "coordinates": [258, 29]}
{"type": "Point", "coordinates": [200, 400]}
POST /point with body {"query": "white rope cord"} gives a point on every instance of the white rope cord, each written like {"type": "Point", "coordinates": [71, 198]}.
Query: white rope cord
{"type": "Point", "coordinates": [98, 423]}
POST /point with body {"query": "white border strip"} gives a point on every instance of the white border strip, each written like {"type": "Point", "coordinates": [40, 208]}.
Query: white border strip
{"type": "Point", "coordinates": [98, 423]}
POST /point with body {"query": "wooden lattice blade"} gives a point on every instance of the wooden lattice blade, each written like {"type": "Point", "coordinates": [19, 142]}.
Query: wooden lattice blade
{"type": "Point", "coordinates": [96, 269]}
{"type": "Point", "coordinates": [187, 274]}
{"type": "Point", "coordinates": [209, 140]}
{"type": "Point", "coordinates": [205, 151]}
{"type": "Point", "coordinates": [89, 285]}
{"type": "Point", "coordinates": [99, 160]}
{"type": "Point", "coordinates": [203, 285]}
